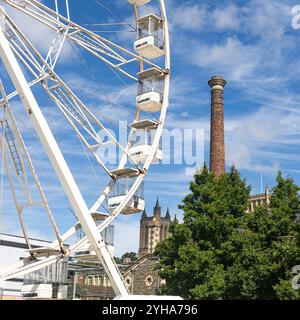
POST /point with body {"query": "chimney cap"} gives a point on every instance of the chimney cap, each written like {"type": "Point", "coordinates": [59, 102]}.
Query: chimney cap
{"type": "Point", "coordinates": [217, 83]}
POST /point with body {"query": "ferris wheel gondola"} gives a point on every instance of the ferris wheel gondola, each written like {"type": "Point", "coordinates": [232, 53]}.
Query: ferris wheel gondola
{"type": "Point", "coordinates": [124, 192]}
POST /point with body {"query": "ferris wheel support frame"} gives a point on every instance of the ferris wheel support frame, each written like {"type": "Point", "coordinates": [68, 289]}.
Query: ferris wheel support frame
{"type": "Point", "coordinates": [20, 147]}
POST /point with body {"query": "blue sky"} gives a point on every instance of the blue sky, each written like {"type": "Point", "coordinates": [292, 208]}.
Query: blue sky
{"type": "Point", "coordinates": [250, 43]}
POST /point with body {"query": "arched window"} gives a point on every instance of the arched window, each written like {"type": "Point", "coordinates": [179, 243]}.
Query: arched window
{"type": "Point", "coordinates": [149, 280]}
{"type": "Point", "coordinates": [128, 281]}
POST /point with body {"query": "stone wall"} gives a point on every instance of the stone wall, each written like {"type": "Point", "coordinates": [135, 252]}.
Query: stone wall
{"type": "Point", "coordinates": [142, 278]}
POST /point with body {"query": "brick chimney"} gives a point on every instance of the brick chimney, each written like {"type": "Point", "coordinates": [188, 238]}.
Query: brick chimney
{"type": "Point", "coordinates": [217, 144]}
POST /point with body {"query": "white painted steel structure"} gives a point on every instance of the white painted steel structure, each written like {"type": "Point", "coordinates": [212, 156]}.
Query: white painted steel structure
{"type": "Point", "coordinates": [11, 249]}
{"type": "Point", "coordinates": [17, 50]}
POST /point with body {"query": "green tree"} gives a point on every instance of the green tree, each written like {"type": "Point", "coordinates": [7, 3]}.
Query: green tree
{"type": "Point", "coordinates": [118, 260]}
{"type": "Point", "coordinates": [131, 255]}
{"type": "Point", "coordinates": [219, 251]}
{"type": "Point", "coordinates": [269, 248]}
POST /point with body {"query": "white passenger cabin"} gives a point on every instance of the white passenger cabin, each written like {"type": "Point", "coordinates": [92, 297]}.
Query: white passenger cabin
{"type": "Point", "coordinates": [125, 179]}
{"type": "Point", "coordinates": [141, 145]}
{"type": "Point", "coordinates": [150, 90]}
{"type": "Point", "coordinates": [150, 37]}
{"type": "Point", "coordinates": [47, 283]}
{"type": "Point", "coordinates": [138, 2]}
{"type": "Point", "coordinates": [86, 252]}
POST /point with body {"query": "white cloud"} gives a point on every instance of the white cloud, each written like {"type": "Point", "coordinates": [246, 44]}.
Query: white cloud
{"type": "Point", "coordinates": [39, 34]}
{"type": "Point", "coordinates": [226, 18]}
{"type": "Point", "coordinates": [232, 59]}
{"type": "Point", "coordinates": [108, 103]}
{"type": "Point", "coordinates": [184, 93]}
{"type": "Point", "coordinates": [191, 18]}
{"type": "Point", "coordinates": [251, 139]}
{"type": "Point", "coordinates": [267, 19]}
{"type": "Point", "coordinates": [255, 41]}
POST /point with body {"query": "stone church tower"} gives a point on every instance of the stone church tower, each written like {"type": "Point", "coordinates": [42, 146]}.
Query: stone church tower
{"type": "Point", "coordinates": [142, 278]}
{"type": "Point", "coordinates": [153, 230]}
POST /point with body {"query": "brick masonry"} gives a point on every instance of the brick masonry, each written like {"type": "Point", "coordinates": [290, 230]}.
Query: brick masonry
{"type": "Point", "coordinates": [217, 143]}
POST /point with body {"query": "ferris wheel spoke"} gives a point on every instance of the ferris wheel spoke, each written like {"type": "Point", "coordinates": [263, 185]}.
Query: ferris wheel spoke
{"type": "Point", "coordinates": [30, 84]}
{"type": "Point", "coordinates": [109, 52]}
{"type": "Point", "coordinates": [75, 111]}
{"type": "Point", "coordinates": [18, 40]}
{"type": "Point", "coordinates": [56, 47]}
{"type": "Point", "coordinates": [59, 39]}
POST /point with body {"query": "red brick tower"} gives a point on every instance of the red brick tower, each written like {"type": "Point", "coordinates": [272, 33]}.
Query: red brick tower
{"type": "Point", "coordinates": [217, 144]}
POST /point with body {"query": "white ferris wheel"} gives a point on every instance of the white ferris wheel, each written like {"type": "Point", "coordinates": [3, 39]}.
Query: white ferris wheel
{"type": "Point", "coordinates": [148, 65]}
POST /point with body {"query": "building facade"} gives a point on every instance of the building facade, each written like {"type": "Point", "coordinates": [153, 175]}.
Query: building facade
{"type": "Point", "coordinates": [256, 200]}
{"type": "Point", "coordinates": [153, 230]}
{"type": "Point", "coordinates": [88, 282]}
{"type": "Point", "coordinates": [142, 278]}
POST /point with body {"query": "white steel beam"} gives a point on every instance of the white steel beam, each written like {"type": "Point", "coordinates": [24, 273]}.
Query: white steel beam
{"type": "Point", "coordinates": [16, 201]}
{"type": "Point", "coordinates": [21, 143]}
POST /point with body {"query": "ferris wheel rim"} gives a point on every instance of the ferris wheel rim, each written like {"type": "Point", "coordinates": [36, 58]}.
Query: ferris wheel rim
{"type": "Point", "coordinates": [149, 160]}
{"type": "Point", "coordinates": [162, 117]}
